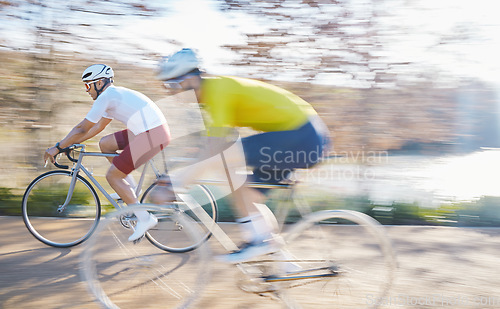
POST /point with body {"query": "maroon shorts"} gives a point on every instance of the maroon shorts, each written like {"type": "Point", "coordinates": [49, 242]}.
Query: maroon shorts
{"type": "Point", "coordinates": [139, 149]}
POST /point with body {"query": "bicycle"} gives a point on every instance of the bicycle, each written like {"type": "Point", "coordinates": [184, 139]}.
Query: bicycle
{"type": "Point", "coordinates": [328, 269]}
{"type": "Point", "coordinates": [61, 208]}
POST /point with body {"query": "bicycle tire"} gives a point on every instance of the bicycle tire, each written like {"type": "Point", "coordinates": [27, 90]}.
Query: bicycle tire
{"type": "Point", "coordinates": [354, 249]}
{"type": "Point", "coordinates": [123, 274]}
{"type": "Point", "coordinates": [64, 228]}
{"type": "Point", "coordinates": [163, 235]}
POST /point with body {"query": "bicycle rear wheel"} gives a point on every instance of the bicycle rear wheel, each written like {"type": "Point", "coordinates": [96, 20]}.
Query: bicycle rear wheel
{"type": "Point", "coordinates": [52, 224]}
{"type": "Point", "coordinates": [164, 235]}
{"type": "Point", "coordinates": [123, 274]}
{"type": "Point", "coordinates": [345, 260]}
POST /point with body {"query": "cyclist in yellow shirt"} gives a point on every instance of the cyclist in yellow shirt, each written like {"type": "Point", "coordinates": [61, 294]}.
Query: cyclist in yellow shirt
{"type": "Point", "coordinates": [291, 136]}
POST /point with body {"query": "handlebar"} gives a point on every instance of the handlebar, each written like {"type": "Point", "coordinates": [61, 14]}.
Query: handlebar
{"type": "Point", "coordinates": [67, 151]}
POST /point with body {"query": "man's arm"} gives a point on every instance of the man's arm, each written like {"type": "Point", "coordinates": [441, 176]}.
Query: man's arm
{"type": "Point", "coordinates": [81, 132]}
{"type": "Point", "coordinates": [96, 129]}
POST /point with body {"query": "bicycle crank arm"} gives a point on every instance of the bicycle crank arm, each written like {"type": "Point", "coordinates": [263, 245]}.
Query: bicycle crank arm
{"type": "Point", "coordinates": [294, 278]}
{"type": "Point", "coordinates": [332, 268]}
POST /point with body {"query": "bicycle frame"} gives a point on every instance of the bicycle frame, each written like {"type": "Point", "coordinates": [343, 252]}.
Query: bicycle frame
{"type": "Point", "coordinates": [229, 245]}
{"type": "Point", "coordinates": [290, 195]}
{"type": "Point", "coordinates": [78, 166]}
{"type": "Point", "coordinates": [219, 234]}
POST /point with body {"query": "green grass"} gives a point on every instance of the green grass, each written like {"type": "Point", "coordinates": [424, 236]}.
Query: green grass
{"type": "Point", "coordinates": [484, 212]}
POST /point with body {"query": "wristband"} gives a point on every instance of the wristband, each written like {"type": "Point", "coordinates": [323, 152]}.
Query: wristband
{"type": "Point", "coordinates": [59, 148]}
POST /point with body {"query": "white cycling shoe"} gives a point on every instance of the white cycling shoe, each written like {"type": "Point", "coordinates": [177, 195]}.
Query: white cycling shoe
{"type": "Point", "coordinates": [142, 227]}
{"type": "Point", "coordinates": [249, 251]}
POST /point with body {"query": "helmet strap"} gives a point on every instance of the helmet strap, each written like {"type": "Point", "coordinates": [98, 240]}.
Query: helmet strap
{"type": "Point", "coordinates": [99, 91]}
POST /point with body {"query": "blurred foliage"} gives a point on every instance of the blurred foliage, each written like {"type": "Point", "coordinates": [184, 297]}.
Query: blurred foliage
{"type": "Point", "coordinates": [10, 203]}
{"type": "Point", "coordinates": [42, 99]}
{"type": "Point", "coordinates": [48, 198]}
{"type": "Point", "coordinates": [37, 110]}
{"type": "Point", "coordinates": [484, 212]}
{"type": "Point", "coordinates": [347, 41]}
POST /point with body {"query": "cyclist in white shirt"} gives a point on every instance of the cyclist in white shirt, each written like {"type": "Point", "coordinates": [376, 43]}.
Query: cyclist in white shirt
{"type": "Point", "coordinates": [146, 135]}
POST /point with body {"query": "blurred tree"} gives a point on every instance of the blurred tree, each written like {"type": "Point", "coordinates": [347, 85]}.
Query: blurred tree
{"type": "Point", "coordinates": [337, 43]}
{"type": "Point", "coordinates": [373, 45]}
{"type": "Point", "coordinates": [344, 42]}
{"type": "Point", "coordinates": [50, 45]}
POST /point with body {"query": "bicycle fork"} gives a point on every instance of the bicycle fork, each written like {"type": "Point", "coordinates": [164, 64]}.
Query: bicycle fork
{"type": "Point", "coordinates": [71, 189]}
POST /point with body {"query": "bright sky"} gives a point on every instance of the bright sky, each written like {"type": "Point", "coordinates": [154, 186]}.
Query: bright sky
{"type": "Point", "coordinates": [204, 28]}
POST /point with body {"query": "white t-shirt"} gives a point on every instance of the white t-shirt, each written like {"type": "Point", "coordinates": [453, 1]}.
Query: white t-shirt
{"type": "Point", "coordinates": [138, 112]}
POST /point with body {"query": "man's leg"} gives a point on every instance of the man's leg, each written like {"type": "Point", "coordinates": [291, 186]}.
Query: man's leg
{"type": "Point", "coordinates": [145, 220]}
{"type": "Point", "coordinates": [109, 144]}
{"type": "Point", "coordinates": [123, 183]}
{"type": "Point", "coordinates": [258, 223]}
{"type": "Point", "coordinates": [116, 180]}
{"type": "Point", "coordinates": [244, 199]}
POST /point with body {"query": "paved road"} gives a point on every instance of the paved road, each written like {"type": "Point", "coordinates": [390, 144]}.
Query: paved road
{"type": "Point", "coordinates": [36, 276]}
{"type": "Point", "coordinates": [440, 267]}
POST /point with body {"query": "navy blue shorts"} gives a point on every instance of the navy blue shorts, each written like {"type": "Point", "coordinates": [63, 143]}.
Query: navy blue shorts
{"type": "Point", "coordinates": [274, 155]}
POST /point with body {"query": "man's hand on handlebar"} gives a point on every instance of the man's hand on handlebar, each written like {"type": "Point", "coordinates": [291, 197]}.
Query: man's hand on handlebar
{"type": "Point", "coordinates": [50, 154]}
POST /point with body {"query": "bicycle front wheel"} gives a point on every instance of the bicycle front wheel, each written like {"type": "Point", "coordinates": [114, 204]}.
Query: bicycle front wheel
{"type": "Point", "coordinates": [164, 235]}
{"type": "Point", "coordinates": [342, 259]}
{"type": "Point", "coordinates": [51, 222]}
{"type": "Point", "coordinates": [123, 274]}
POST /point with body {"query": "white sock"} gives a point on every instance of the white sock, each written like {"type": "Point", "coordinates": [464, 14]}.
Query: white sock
{"type": "Point", "coordinates": [259, 226]}
{"type": "Point", "coordinates": [247, 227]}
{"type": "Point", "coordinates": [142, 215]}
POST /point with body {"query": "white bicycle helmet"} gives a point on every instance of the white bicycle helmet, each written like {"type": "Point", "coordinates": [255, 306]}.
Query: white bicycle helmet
{"type": "Point", "coordinates": [97, 71]}
{"type": "Point", "coordinates": [178, 64]}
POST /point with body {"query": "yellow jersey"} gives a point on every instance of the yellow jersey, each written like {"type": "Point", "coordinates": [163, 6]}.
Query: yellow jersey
{"type": "Point", "coordinates": [241, 102]}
